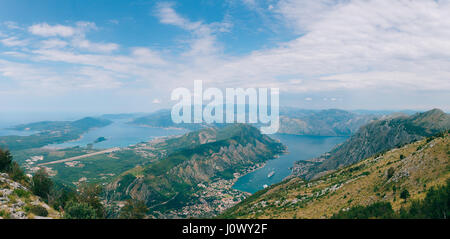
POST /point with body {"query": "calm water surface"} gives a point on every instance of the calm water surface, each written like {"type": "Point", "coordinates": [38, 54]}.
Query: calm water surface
{"type": "Point", "coordinates": [120, 134]}
{"type": "Point", "coordinates": [299, 148]}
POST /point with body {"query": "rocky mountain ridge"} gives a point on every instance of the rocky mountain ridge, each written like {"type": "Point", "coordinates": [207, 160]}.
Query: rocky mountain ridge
{"type": "Point", "coordinates": [376, 137]}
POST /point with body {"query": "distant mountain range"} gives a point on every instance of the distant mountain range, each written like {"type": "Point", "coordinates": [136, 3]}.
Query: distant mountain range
{"type": "Point", "coordinates": [331, 122]}
{"type": "Point", "coordinates": [376, 137]}
{"type": "Point", "coordinates": [163, 119]}
{"type": "Point", "coordinates": [50, 132]}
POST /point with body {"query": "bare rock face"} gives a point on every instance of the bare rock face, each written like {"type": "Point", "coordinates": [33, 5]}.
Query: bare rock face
{"type": "Point", "coordinates": [15, 199]}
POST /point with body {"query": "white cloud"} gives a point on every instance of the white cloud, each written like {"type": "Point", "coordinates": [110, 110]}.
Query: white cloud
{"type": "Point", "coordinates": [15, 54]}
{"type": "Point", "coordinates": [46, 30]}
{"type": "Point", "coordinates": [44, 80]}
{"type": "Point", "coordinates": [167, 15]}
{"type": "Point", "coordinates": [156, 101]}
{"type": "Point", "coordinates": [85, 44]}
{"type": "Point", "coordinates": [341, 46]}
{"type": "Point", "coordinates": [53, 43]}
{"type": "Point", "coordinates": [204, 42]}
{"type": "Point", "coordinates": [302, 14]}
{"type": "Point", "coordinates": [13, 42]}
{"type": "Point", "coordinates": [354, 45]}
{"type": "Point", "coordinates": [12, 25]}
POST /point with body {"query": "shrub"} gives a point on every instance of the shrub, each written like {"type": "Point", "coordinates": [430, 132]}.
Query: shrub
{"type": "Point", "coordinates": [76, 210]}
{"type": "Point", "coordinates": [133, 210]}
{"type": "Point", "coordinates": [38, 210]}
{"type": "Point", "coordinates": [5, 214]}
{"type": "Point", "coordinates": [41, 184]}
{"type": "Point", "coordinates": [60, 195]}
{"type": "Point", "coordinates": [390, 172]}
{"type": "Point", "coordinates": [17, 174]}
{"type": "Point", "coordinates": [90, 194]}
{"type": "Point", "coordinates": [404, 194]}
{"type": "Point", "coordinates": [5, 160]}
{"type": "Point", "coordinates": [376, 210]}
{"type": "Point", "coordinates": [436, 204]}
{"type": "Point", "coordinates": [22, 193]}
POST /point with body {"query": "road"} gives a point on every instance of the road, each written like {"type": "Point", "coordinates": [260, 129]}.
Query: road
{"type": "Point", "coordinates": [81, 156]}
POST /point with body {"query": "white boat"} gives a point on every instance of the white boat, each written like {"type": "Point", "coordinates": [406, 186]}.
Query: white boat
{"type": "Point", "coordinates": [265, 186]}
{"type": "Point", "coordinates": [270, 174]}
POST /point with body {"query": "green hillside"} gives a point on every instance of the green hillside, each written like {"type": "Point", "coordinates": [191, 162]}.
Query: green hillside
{"type": "Point", "coordinates": [385, 178]}
{"type": "Point", "coordinates": [377, 137]}
{"type": "Point", "coordinates": [194, 162]}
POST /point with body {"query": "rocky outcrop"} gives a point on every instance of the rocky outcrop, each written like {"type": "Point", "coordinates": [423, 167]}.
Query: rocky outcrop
{"type": "Point", "coordinates": [16, 201]}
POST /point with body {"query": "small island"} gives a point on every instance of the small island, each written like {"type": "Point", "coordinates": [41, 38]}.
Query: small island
{"type": "Point", "coordinates": [100, 139]}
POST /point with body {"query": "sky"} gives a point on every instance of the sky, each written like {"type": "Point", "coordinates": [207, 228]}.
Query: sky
{"type": "Point", "coordinates": [127, 56]}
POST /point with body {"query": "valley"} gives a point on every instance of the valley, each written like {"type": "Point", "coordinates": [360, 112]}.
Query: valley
{"type": "Point", "coordinates": [413, 168]}
{"type": "Point", "coordinates": [232, 170]}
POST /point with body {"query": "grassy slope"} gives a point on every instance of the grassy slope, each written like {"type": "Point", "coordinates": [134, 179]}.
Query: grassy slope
{"type": "Point", "coordinates": [424, 164]}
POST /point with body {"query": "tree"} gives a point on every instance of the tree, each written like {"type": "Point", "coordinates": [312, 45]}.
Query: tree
{"type": "Point", "coordinates": [41, 184]}
{"type": "Point", "coordinates": [38, 210]}
{"type": "Point", "coordinates": [404, 195]}
{"type": "Point", "coordinates": [60, 195]}
{"type": "Point", "coordinates": [5, 160]}
{"type": "Point", "coordinates": [17, 174]}
{"type": "Point", "coordinates": [390, 172]}
{"type": "Point", "coordinates": [77, 210]}
{"type": "Point", "coordinates": [90, 194]}
{"type": "Point", "coordinates": [133, 209]}
{"type": "Point", "coordinates": [435, 205]}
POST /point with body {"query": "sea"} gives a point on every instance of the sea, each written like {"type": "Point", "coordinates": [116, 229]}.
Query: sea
{"type": "Point", "coordinates": [299, 148]}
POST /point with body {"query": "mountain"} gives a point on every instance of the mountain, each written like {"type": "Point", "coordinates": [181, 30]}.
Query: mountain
{"type": "Point", "coordinates": [163, 119]}
{"type": "Point", "coordinates": [17, 202]}
{"type": "Point", "coordinates": [89, 123]}
{"type": "Point", "coordinates": [376, 137]}
{"type": "Point", "coordinates": [398, 178]}
{"type": "Point", "coordinates": [50, 132]}
{"type": "Point", "coordinates": [121, 116]}
{"type": "Point", "coordinates": [332, 122]}
{"type": "Point", "coordinates": [81, 124]}
{"type": "Point", "coordinates": [196, 164]}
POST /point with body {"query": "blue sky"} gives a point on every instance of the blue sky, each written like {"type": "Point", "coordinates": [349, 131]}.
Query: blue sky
{"type": "Point", "coordinates": [127, 56]}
